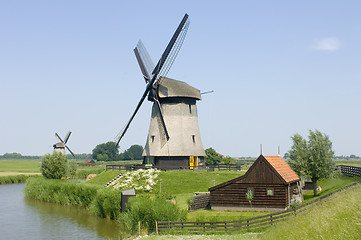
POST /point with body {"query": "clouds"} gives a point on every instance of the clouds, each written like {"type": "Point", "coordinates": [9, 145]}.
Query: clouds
{"type": "Point", "coordinates": [329, 44]}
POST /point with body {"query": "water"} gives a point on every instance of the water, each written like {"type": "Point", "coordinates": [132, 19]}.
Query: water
{"type": "Point", "coordinates": [22, 218]}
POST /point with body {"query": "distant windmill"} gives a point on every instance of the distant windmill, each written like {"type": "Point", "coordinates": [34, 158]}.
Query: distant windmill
{"type": "Point", "coordinates": [60, 146]}
{"type": "Point", "coordinates": [174, 137]}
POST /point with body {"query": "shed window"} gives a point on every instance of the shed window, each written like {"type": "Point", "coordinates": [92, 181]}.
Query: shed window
{"type": "Point", "coordinates": [269, 192]}
{"type": "Point", "coordinates": [250, 189]}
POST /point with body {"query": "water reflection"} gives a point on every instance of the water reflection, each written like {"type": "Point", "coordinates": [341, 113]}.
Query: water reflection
{"type": "Point", "coordinates": [22, 218]}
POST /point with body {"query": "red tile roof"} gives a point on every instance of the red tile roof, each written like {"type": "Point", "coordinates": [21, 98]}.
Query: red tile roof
{"type": "Point", "coordinates": [282, 168]}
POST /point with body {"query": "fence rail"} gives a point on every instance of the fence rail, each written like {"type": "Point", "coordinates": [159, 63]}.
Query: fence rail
{"type": "Point", "coordinates": [220, 167]}
{"type": "Point", "coordinates": [350, 170]}
{"type": "Point", "coordinates": [256, 222]}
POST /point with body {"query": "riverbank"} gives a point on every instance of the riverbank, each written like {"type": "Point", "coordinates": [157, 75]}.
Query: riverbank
{"type": "Point", "coordinates": [23, 218]}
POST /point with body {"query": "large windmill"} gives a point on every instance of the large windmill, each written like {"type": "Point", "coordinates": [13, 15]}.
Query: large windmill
{"type": "Point", "coordinates": [174, 138]}
{"type": "Point", "coordinates": [60, 146]}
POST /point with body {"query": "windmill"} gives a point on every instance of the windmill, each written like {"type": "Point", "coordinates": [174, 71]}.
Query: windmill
{"type": "Point", "coordinates": [173, 138]}
{"type": "Point", "coordinates": [60, 146]}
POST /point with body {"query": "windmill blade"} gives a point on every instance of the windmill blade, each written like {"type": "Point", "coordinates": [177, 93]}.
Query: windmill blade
{"type": "Point", "coordinates": [156, 71]}
{"type": "Point", "coordinates": [135, 112]}
{"type": "Point", "coordinates": [181, 30]}
{"type": "Point", "coordinates": [174, 52]}
{"type": "Point", "coordinates": [162, 118]}
{"type": "Point", "coordinates": [145, 62]}
{"type": "Point", "coordinates": [69, 150]}
{"type": "Point", "coordinates": [67, 137]}
{"type": "Point", "coordinates": [59, 138]}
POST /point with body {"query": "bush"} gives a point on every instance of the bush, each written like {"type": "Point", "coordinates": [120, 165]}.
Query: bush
{"type": "Point", "coordinates": [72, 166]}
{"type": "Point", "coordinates": [147, 210]}
{"type": "Point", "coordinates": [107, 203]}
{"type": "Point", "coordinates": [54, 166]}
{"type": "Point", "coordinates": [101, 201]}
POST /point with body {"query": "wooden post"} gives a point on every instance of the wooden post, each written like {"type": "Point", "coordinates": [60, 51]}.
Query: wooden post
{"type": "Point", "coordinates": [156, 227]}
{"type": "Point", "coordinates": [139, 228]}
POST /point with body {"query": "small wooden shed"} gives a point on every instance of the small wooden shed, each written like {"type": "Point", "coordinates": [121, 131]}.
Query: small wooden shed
{"type": "Point", "coordinates": [273, 183]}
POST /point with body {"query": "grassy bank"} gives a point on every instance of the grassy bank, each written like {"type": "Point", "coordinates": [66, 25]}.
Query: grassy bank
{"type": "Point", "coordinates": [101, 201]}
{"type": "Point", "coordinates": [330, 185]}
{"type": "Point", "coordinates": [336, 218]}
{"type": "Point", "coordinates": [15, 179]}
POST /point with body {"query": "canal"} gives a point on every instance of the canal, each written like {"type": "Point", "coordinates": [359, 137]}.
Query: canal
{"type": "Point", "coordinates": [22, 218]}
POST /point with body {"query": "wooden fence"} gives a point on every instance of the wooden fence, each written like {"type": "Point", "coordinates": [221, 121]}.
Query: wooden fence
{"type": "Point", "coordinates": [200, 201]}
{"type": "Point", "coordinates": [242, 224]}
{"type": "Point", "coordinates": [220, 167]}
{"type": "Point", "coordinates": [350, 170]}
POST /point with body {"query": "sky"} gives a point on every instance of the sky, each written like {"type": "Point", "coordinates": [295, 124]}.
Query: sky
{"type": "Point", "coordinates": [276, 68]}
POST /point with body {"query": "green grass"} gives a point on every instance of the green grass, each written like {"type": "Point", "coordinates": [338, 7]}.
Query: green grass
{"type": "Point", "coordinates": [338, 217]}
{"type": "Point", "coordinates": [212, 215]}
{"type": "Point", "coordinates": [19, 165]}
{"type": "Point", "coordinates": [15, 178]}
{"type": "Point", "coordinates": [355, 163]}
{"type": "Point", "coordinates": [330, 185]}
{"type": "Point", "coordinates": [175, 182]}
{"type": "Point", "coordinates": [104, 177]}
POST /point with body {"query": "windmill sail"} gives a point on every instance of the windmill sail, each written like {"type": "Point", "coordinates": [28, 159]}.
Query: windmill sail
{"type": "Point", "coordinates": [179, 33]}
{"type": "Point", "coordinates": [145, 62]}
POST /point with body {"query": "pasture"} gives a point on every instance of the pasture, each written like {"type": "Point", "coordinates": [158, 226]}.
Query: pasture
{"type": "Point", "coordinates": [15, 166]}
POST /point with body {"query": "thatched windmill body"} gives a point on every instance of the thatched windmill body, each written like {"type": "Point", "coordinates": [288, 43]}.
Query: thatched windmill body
{"type": "Point", "coordinates": [174, 137]}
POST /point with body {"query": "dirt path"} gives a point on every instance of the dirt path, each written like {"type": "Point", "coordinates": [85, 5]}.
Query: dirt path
{"type": "Point", "coordinates": [17, 173]}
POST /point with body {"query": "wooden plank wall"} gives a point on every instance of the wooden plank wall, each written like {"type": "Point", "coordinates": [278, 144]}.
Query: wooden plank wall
{"type": "Point", "coordinates": [235, 195]}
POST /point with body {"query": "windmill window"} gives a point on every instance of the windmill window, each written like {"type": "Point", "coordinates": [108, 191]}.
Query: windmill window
{"type": "Point", "coordinates": [194, 138]}
{"type": "Point", "coordinates": [190, 108]}
{"type": "Point", "coordinates": [152, 138]}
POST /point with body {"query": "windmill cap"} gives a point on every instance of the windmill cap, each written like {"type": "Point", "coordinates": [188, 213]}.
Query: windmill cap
{"type": "Point", "coordinates": [169, 88]}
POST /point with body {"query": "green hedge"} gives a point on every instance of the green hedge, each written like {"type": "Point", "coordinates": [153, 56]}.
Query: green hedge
{"type": "Point", "coordinates": [15, 179]}
{"type": "Point", "coordinates": [101, 201]}
{"type": "Point", "coordinates": [148, 210]}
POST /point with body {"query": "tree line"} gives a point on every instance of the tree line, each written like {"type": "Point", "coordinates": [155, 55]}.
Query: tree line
{"type": "Point", "coordinates": [110, 152]}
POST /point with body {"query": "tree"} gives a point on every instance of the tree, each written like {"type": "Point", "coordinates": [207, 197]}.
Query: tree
{"type": "Point", "coordinates": [106, 152]}
{"type": "Point", "coordinates": [54, 166]}
{"type": "Point", "coordinates": [133, 153]}
{"type": "Point", "coordinates": [228, 160]}
{"type": "Point", "coordinates": [313, 158]}
{"type": "Point", "coordinates": [212, 158]}
{"type": "Point", "coordinates": [249, 196]}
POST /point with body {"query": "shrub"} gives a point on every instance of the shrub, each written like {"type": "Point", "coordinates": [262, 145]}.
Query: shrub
{"type": "Point", "coordinates": [54, 166]}
{"type": "Point", "coordinates": [147, 210]}
{"type": "Point", "coordinates": [101, 201]}
{"type": "Point", "coordinates": [72, 166]}
{"type": "Point", "coordinates": [107, 203]}
{"type": "Point", "coordinates": [142, 180]}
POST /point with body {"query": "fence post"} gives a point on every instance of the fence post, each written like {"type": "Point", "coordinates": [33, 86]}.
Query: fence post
{"type": "Point", "coordinates": [271, 219]}
{"type": "Point", "coordinates": [156, 227]}
{"type": "Point", "coordinates": [225, 225]}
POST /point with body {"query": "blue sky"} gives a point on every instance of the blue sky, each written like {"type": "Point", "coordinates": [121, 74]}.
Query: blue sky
{"type": "Point", "coordinates": [276, 67]}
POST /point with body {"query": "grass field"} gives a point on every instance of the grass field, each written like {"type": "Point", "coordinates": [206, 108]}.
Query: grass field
{"type": "Point", "coordinates": [339, 217]}
{"type": "Point", "coordinates": [21, 166]}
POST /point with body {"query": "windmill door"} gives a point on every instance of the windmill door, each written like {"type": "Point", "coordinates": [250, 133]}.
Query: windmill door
{"type": "Point", "coordinates": [193, 162]}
